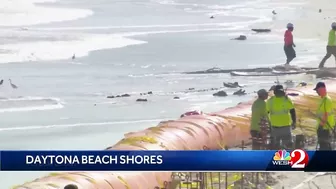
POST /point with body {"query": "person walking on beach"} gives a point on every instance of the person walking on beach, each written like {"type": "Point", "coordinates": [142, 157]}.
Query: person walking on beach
{"type": "Point", "coordinates": [282, 118]}
{"type": "Point", "coordinates": [331, 47]}
{"type": "Point", "coordinates": [289, 44]}
{"type": "Point", "coordinates": [325, 117]}
{"type": "Point", "coordinates": [259, 119]}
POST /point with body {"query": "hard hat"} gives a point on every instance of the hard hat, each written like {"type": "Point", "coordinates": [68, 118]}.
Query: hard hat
{"type": "Point", "coordinates": [279, 88]}
{"type": "Point", "coordinates": [290, 25]}
{"type": "Point", "coordinates": [319, 85]}
{"type": "Point", "coordinates": [262, 92]}
{"type": "Point", "coordinates": [333, 24]}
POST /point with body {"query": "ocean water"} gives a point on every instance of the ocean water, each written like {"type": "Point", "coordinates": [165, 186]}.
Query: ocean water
{"type": "Point", "coordinates": [126, 47]}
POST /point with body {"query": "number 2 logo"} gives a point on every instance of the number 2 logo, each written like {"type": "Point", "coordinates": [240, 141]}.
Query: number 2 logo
{"type": "Point", "coordinates": [299, 159]}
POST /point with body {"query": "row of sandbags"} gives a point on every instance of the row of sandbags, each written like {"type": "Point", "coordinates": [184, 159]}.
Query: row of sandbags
{"type": "Point", "coordinates": [213, 131]}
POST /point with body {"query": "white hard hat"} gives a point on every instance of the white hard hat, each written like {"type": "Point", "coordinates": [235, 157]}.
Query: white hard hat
{"type": "Point", "coordinates": [333, 24]}
{"type": "Point", "coordinates": [290, 25]}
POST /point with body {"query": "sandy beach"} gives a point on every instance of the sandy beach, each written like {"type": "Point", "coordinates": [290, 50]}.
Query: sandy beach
{"type": "Point", "coordinates": [311, 25]}
{"type": "Point", "coordinates": [135, 54]}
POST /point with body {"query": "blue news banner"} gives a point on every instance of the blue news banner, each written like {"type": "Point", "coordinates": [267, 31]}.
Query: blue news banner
{"type": "Point", "coordinates": [282, 160]}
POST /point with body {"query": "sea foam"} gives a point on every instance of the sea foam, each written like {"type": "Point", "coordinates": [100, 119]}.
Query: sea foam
{"type": "Point", "coordinates": [56, 50]}
{"type": "Point", "coordinates": [26, 12]}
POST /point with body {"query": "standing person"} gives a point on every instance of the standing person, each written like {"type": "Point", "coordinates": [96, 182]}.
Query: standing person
{"type": "Point", "coordinates": [258, 118]}
{"type": "Point", "coordinates": [289, 44]}
{"type": "Point", "coordinates": [331, 47]}
{"type": "Point", "coordinates": [325, 117]}
{"type": "Point", "coordinates": [282, 118]}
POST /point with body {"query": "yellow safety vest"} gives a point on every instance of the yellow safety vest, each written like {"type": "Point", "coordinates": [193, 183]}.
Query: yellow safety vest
{"type": "Point", "coordinates": [279, 111]}
{"type": "Point", "coordinates": [326, 105]}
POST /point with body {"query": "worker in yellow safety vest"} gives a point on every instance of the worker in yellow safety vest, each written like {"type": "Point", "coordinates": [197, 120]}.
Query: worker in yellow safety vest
{"type": "Point", "coordinates": [325, 117]}
{"type": "Point", "coordinates": [259, 118]}
{"type": "Point", "coordinates": [282, 118]}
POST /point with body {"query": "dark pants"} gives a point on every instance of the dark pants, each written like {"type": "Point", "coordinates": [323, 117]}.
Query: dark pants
{"type": "Point", "coordinates": [331, 50]}
{"type": "Point", "coordinates": [256, 140]}
{"type": "Point", "coordinates": [290, 53]}
{"type": "Point", "coordinates": [324, 139]}
{"type": "Point", "coordinates": [281, 135]}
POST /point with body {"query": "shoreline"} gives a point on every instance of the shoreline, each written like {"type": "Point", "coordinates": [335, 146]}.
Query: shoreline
{"type": "Point", "coordinates": [312, 25]}
{"type": "Point", "coordinates": [305, 23]}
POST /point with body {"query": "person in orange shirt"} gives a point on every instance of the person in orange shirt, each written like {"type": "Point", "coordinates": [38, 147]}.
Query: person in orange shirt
{"type": "Point", "coordinates": [289, 44]}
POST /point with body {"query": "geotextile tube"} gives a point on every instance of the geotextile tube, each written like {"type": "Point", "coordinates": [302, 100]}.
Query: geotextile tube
{"type": "Point", "coordinates": [213, 131]}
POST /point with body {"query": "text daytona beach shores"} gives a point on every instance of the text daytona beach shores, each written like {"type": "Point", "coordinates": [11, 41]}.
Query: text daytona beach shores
{"type": "Point", "coordinates": [92, 159]}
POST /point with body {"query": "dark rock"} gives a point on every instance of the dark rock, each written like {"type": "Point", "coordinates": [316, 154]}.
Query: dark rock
{"type": "Point", "coordinates": [303, 84]}
{"type": "Point", "coordinates": [240, 92]}
{"type": "Point", "coordinates": [190, 89]}
{"type": "Point", "coordinates": [293, 94]}
{"type": "Point", "coordinates": [231, 85]}
{"type": "Point", "coordinates": [273, 12]}
{"type": "Point", "coordinates": [111, 96]}
{"type": "Point", "coordinates": [141, 100]}
{"type": "Point", "coordinates": [125, 95]}
{"type": "Point", "coordinates": [220, 93]}
{"type": "Point", "coordinates": [261, 30]}
{"type": "Point", "coordinates": [118, 96]}
{"type": "Point", "coordinates": [211, 17]}
{"type": "Point", "coordinates": [320, 10]}
{"type": "Point", "coordinates": [241, 37]}
{"type": "Point", "coordinates": [176, 97]}
{"type": "Point", "coordinates": [150, 92]}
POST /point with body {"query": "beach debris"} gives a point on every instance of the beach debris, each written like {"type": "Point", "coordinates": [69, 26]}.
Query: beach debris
{"type": "Point", "coordinates": [287, 68]}
{"type": "Point", "coordinates": [231, 85]}
{"type": "Point", "coordinates": [320, 10]}
{"type": "Point", "coordinates": [141, 100]}
{"type": "Point", "coordinates": [176, 97]}
{"type": "Point", "coordinates": [190, 89]}
{"type": "Point", "coordinates": [241, 38]}
{"type": "Point", "coordinates": [73, 56]}
{"type": "Point", "coordinates": [118, 96]}
{"type": "Point", "coordinates": [149, 92]}
{"type": "Point", "coordinates": [273, 12]}
{"type": "Point", "coordinates": [302, 84]}
{"type": "Point", "coordinates": [211, 17]}
{"type": "Point", "coordinates": [1, 82]}
{"type": "Point", "coordinates": [12, 85]}
{"type": "Point", "coordinates": [195, 112]}
{"type": "Point", "coordinates": [292, 94]}
{"type": "Point", "coordinates": [240, 92]}
{"type": "Point", "coordinates": [249, 70]}
{"type": "Point", "coordinates": [289, 82]}
{"type": "Point", "coordinates": [261, 30]}
{"type": "Point", "coordinates": [220, 93]}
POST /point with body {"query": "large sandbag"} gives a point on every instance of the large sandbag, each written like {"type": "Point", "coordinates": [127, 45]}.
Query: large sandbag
{"type": "Point", "coordinates": [229, 126]}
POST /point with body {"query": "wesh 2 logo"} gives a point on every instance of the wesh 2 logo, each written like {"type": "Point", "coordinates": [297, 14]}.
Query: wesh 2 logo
{"type": "Point", "coordinates": [297, 159]}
